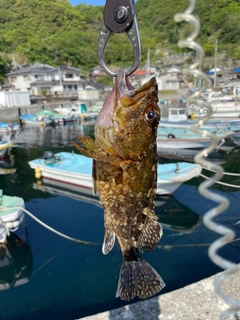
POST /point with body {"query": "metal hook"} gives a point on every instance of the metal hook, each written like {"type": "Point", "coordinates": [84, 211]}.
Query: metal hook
{"type": "Point", "coordinates": [119, 16]}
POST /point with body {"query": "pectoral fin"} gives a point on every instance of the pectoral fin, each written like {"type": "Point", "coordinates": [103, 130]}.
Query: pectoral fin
{"type": "Point", "coordinates": [90, 149]}
{"type": "Point", "coordinates": [89, 146]}
{"type": "Point", "coordinates": [109, 240]}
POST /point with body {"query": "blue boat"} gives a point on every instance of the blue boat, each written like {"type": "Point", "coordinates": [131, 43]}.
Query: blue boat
{"type": "Point", "coordinates": [76, 169]}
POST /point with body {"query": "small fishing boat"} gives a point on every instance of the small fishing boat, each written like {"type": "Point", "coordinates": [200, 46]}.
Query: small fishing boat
{"type": "Point", "coordinates": [68, 113]}
{"type": "Point", "coordinates": [178, 118]}
{"type": "Point", "coordinates": [11, 215]}
{"type": "Point", "coordinates": [5, 127]}
{"type": "Point", "coordinates": [184, 138]}
{"type": "Point", "coordinates": [189, 154]}
{"type": "Point", "coordinates": [4, 145]}
{"type": "Point", "coordinates": [55, 117]}
{"type": "Point", "coordinates": [77, 170]}
{"type": "Point", "coordinates": [33, 120]}
{"type": "Point", "coordinates": [222, 108]}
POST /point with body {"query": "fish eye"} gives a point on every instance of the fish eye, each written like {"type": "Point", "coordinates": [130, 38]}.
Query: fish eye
{"type": "Point", "coordinates": [150, 116]}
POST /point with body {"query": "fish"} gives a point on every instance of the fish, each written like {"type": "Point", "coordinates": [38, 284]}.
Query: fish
{"type": "Point", "coordinates": [125, 177]}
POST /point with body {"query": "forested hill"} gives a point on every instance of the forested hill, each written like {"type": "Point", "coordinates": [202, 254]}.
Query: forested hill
{"type": "Point", "coordinates": [54, 32]}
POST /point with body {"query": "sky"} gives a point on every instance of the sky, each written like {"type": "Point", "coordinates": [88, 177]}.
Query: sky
{"type": "Point", "coordinates": [92, 2]}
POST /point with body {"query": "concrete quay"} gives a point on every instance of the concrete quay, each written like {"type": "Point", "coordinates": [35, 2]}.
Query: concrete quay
{"type": "Point", "coordinates": [197, 301]}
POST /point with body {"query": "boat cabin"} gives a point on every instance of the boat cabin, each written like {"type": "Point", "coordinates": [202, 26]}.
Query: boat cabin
{"type": "Point", "coordinates": [177, 114]}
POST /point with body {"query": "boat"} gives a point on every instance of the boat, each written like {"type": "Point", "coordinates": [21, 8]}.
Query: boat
{"type": "Point", "coordinates": [4, 145]}
{"type": "Point", "coordinates": [71, 113]}
{"type": "Point", "coordinates": [177, 118]}
{"type": "Point", "coordinates": [77, 170]}
{"type": "Point", "coordinates": [184, 138]}
{"type": "Point", "coordinates": [226, 107]}
{"type": "Point", "coordinates": [5, 127]}
{"type": "Point", "coordinates": [50, 115]}
{"type": "Point", "coordinates": [11, 215]}
{"type": "Point", "coordinates": [16, 263]}
{"type": "Point", "coordinates": [33, 120]}
{"type": "Point", "coordinates": [189, 154]}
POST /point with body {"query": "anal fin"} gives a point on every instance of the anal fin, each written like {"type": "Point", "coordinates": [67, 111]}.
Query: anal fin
{"type": "Point", "coordinates": [94, 183]}
{"type": "Point", "coordinates": [109, 240]}
{"type": "Point", "coordinates": [151, 233]}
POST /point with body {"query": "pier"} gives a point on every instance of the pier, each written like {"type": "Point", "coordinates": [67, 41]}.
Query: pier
{"type": "Point", "coordinates": [197, 301]}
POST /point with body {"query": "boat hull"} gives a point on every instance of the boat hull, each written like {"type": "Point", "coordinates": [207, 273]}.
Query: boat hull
{"type": "Point", "coordinates": [170, 176]}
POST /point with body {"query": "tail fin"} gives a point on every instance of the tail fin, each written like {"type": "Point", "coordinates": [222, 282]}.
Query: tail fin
{"type": "Point", "coordinates": [137, 278]}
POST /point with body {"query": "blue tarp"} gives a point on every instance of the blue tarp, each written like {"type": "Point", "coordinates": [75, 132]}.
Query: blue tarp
{"type": "Point", "coordinates": [237, 69]}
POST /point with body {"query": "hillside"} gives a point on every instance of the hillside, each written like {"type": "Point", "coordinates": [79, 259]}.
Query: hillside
{"type": "Point", "coordinates": [54, 32]}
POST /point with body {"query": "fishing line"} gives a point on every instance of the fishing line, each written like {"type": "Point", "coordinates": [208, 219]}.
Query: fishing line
{"type": "Point", "coordinates": [227, 234]}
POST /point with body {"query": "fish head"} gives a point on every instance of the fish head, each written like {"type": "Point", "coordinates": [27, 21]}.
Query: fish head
{"type": "Point", "coordinates": [128, 121]}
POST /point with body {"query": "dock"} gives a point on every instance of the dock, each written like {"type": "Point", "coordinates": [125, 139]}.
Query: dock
{"type": "Point", "coordinates": [197, 301]}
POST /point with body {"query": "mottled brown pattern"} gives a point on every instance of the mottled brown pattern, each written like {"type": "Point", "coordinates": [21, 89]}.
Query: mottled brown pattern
{"type": "Point", "coordinates": [125, 173]}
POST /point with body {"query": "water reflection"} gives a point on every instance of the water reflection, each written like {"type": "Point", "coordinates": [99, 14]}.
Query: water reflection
{"type": "Point", "coordinates": [6, 167]}
{"type": "Point", "coordinates": [172, 214]}
{"type": "Point", "coordinates": [16, 262]}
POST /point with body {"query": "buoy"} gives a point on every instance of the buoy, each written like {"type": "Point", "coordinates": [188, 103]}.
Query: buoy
{"type": "Point", "coordinates": [38, 173]}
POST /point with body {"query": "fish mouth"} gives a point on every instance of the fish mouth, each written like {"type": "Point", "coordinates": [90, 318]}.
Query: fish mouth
{"type": "Point", "coordinates": [130, 95]}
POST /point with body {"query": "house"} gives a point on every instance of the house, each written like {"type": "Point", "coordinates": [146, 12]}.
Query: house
{"type": "Point", "coordinates": [223, 75]}
{"type": "Point", "coordinates": [97, 72]}
{"type": "Point", "coordinates": [21, 78]}
{"type": "Point", "coordinates": [172, 78]}
{"type": "Point", "coordinates": [43, 79]}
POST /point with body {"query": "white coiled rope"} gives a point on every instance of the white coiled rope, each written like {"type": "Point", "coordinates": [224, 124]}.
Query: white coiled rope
{"type": "Point", "coordinates": [228, 234]}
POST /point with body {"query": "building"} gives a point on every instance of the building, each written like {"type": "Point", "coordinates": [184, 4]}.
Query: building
{"type": "Point", "coordinates": [42, 79]}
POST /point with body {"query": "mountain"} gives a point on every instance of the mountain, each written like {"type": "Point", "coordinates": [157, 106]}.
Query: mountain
{"type": "Point", "coordinates": [56, 33]}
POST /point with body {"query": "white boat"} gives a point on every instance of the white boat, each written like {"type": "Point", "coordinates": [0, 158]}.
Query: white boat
{"type": "Point", "coordinates": [222, 107]}
{"type": "Point", "coordinates": [11, 215]}
{"type": "Point", "coordinates": [184, 138]}
{"type": "Point", "coordinates": [178, 118]}
{"type": "Point", "coordinates": [6, 127]}
{"type": "Point", "coordinates": [4, 145]}
{"type": "Point", "coordinates": [69, 112]}
{"type": "Point", "coordinates": [189, 154]}
{"type": "Point", "coordinates": [32, 120]}
{"type": "Point", "coordinates": [77, 170]}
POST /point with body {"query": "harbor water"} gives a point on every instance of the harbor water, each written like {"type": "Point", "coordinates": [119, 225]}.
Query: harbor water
{"type": "Point", "coordinates": [44, 276]}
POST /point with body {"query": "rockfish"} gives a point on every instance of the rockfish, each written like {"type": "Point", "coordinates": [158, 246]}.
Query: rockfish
{"type": "Point", "coordinates": [125, 177]}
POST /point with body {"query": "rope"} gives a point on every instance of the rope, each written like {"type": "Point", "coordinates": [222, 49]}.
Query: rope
{"type": "Point", "coordinates": [222, 183]}
{"type": "Point", "coordinates": [48, 227]}
{"type": "Point", "coordinates": [225, 173]}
